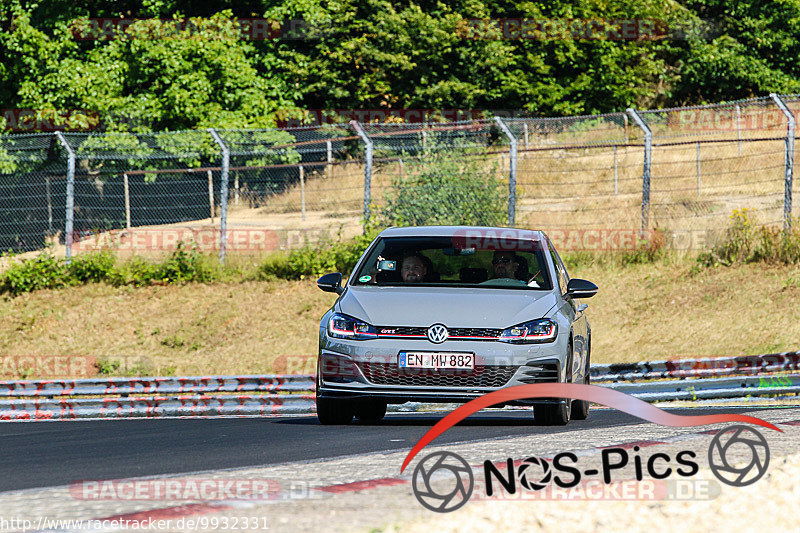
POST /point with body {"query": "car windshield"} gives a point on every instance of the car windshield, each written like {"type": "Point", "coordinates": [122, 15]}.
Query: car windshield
{"type": "Point", "coordinates": [443, 261]}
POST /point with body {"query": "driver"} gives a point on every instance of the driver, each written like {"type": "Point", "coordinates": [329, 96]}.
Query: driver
{"type": "Point", "coordinates": [413, 269]}
{"type": "Point", "coordinates": [505, 265]}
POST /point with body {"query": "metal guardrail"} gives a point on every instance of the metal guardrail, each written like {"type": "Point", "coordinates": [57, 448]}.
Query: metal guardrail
{"type": "Point", "coordinates": [157, 385]}
{"type": "Point", "coordinates": [211, 396]}
{"type": "Point", "coordinates": [695, 368]}
{"type": "Point", "coordinates": [156, 407]}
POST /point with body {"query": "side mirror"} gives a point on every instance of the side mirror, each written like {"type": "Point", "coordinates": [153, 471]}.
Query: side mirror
{"type": "Point", "coordinates": [331, 283]}
{"type": "Point", "coordinates": [580, 288]}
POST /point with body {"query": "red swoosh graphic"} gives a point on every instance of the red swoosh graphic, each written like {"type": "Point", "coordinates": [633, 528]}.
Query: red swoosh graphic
{"type": "Point", "coordinates": [576, 391]}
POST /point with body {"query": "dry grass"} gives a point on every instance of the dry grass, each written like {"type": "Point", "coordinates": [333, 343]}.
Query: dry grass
{"type": "Point", "coordinates": [575, 188]}
{"type": "Point", "coordinates": [642, 312]}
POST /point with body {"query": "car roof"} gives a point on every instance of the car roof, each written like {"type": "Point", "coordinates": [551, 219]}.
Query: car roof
{"type": "Point", "coordinates": [447, 231]}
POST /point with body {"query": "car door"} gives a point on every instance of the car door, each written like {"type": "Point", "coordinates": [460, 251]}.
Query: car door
{"type": "Point", "coordinates": [577, 315]}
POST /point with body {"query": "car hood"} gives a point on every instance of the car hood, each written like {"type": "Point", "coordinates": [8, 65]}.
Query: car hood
{"type": "Point", "coordinates": [453, 307]}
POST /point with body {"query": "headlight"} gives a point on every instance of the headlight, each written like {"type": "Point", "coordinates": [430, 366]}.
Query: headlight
{"type": "Point", "coordinates": [346, 327]}
{"type": "Point", "coordinates": [543, 330]}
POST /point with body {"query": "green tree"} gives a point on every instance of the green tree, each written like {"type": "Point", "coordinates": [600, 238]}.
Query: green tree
{"type": "Point", "coordinates": [440, 189]}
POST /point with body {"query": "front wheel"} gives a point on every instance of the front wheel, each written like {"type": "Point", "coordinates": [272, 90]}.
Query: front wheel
{"type": "Point", "coordinates": [369, 411]}
{"type": "Point", "coordinates": [552, 414]}
{"type": "Point", "coordinates": [334, 412]}
{"type": "Point", "coordinates": [580, 408]}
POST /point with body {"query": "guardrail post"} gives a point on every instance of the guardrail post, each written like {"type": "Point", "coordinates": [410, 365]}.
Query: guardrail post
{"type": "Point", "coordinates": [368, 151]}
{"type": "Point", "coordinates": [68, 225]}
{"type": "Point", "coordinates": [648, 147]}
{"type": "Point", "coordinates": [512, 171]}
{"type": "Point", "coordinates": [789, 162]}
{"type": "Point", "coordinates": [223, 193]}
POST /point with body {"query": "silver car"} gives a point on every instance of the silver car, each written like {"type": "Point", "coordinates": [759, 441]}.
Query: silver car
{"type": "Point", "coordinates": [447, 314]}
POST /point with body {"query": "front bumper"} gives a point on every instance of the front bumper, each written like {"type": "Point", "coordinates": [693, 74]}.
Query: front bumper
{"type": "Point", "coordinates": [369, 369]}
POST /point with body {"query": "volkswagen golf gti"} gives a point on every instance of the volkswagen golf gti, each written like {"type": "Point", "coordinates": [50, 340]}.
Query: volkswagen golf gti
{"type": "Point", "coordinates": [447, 314]}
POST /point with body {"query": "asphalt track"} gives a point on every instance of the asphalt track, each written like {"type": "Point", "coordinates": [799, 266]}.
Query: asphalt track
{"type": "Point", "coordinates": [42, 454]}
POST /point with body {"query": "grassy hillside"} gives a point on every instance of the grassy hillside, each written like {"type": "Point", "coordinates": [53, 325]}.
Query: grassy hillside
{"type": "Point", "coordinates": [641, 312]}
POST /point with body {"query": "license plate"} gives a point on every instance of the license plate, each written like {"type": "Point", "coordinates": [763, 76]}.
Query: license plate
{"type": "Point", "coordinates": [443, 360]}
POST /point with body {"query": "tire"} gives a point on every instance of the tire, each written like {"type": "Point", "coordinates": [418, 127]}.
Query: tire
{"type": "Point", "coordinates": [555, 414]}
{"type": "Point", "coordinates": [580, 408]}
{"type": "Point", "coordinates": [370, 411]}
{"type": "Point", "coordinates": [334, 412]}
{"type": "Point", "coordinates": [551, 414]}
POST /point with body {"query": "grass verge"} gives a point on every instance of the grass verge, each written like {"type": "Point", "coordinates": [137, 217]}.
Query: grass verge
{"type": "Point", "coordinates": [644, 311]}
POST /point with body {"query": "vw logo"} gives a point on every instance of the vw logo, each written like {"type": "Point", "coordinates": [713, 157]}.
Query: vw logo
{"type": "Point", "coordinates": [738, 456]}
{"type": "Point", "coordinates": [442, 482]}
{"type": "Point", "coordinates": [437, 333]}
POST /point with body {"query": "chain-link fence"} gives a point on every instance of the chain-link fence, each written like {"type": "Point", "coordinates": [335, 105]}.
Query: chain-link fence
{"type": "Point", "coordinates": [676, 170]}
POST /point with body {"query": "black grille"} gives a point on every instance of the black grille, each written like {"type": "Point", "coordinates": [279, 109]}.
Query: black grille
{"type": "Point", "coordinates": [482, 333]}
{"type": "Point", "coordinates": [474, 332]}
{"type": "Point", "coordinates": [539, 373]}
{"type": "Point", "coordinates": [482, 376]}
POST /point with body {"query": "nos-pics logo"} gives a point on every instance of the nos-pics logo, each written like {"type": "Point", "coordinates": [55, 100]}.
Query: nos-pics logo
{"type": "Point", "coordinates": [443, 481]}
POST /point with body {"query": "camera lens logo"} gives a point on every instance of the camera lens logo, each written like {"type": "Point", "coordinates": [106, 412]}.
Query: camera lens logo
{"type": "Point", "coordinates": [738, 456]}
{"type": "Point", "coordinates": [534, 473]}
{"type": "Point", "coordinates": [442, 482]}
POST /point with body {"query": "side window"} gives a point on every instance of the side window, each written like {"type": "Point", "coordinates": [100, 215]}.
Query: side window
{"type": "Point", "coordinates": [561, 272]}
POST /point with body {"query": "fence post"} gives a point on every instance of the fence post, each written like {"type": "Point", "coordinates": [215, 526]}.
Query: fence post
{"type": "Point", "coordinates": [367, 169]}
{"type": "Point", "coordinates": [527, 137]}
{"type": "Point", "coordinates": [126, 186]}
{"type": "Point", "coordinates": [223, 193]}
{"type": "Point", "coordinates": [68, 224]}
{"type": "Point", "coordinates": [789, 159]}
{"type": "Point", "coordinates": [625, 120]}
{"type": "Point", "coordinates": [211, 209]}
{"type": "Point", "coordinates": [329, 158]}
{"type": "Point", "coordinates": [512, 171]}
{"type": "Point", "coordinates": [616, 173]}
{"type": "Point", "coordinates": [648, 147]}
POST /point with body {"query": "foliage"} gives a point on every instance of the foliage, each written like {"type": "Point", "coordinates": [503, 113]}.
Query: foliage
{"type": "Point", "coordinates": [42, 272]}
{"type": "Point", "coordinates": [48, 272]}
{"type": "Point", "coordinates": [379, 54]}
{"type": "Point", "coordinates": [92, 268]}
{"type": "Point", "coordinates": [316, 259]}
{"type": "Point", "coordinates": [748, 242]}
{"type": "Point", "coordinates": [440, 189]}
{"type": "Point", "coordinates": [183, 265]}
